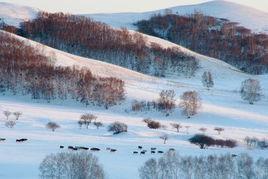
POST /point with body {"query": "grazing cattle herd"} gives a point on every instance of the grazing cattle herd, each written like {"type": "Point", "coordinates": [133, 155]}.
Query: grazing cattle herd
{"type": "Point", "coordinates": [140, 149]}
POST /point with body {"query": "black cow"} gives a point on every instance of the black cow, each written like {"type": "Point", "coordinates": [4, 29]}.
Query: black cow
{"type": "Point", "coordinates": [142, 152]}
{"type": "Point", "coordinates": [152, 152]}
{"type": "Point", "coordinates": [160, 152]}
{"type": "Point", "coordinates": [61, 147]}
{"type": "Point", "coordinates": [95, 149]}
{"type": "Point", "coordinates": [82, 148]}
{"type": "Point", "coordinates": [21, 140]}
{"type": "Point", "coordinates": [135, 152]}
{"type": "Point", "coordinates": [139, 147]}
{"type": "Point", "coordinates": [153, 148]}
{"type": "Point", "coordinates": [113, 150]}
{"type": "Point", "coordinates": [2, 139]}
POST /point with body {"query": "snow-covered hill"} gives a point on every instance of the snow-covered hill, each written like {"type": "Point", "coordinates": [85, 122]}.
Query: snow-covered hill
{"type": "Point", "coordinates": [15, 14]}
{"type": "Point", "coordinates": [248, 17]}
{"type": "Point", "coordinates": [222, 107]}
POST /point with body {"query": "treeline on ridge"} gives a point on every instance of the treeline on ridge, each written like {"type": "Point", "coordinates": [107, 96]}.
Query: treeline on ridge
{"type": "Point", "coordinates": [213, 37]}
{"type": "Point", "coordinates": [25, 71]}
{"type": "Point", "coordinates": [82, 36]}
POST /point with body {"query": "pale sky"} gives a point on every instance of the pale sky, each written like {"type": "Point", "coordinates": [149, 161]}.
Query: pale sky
{"type": "Point", "coordinates": [108, 6]}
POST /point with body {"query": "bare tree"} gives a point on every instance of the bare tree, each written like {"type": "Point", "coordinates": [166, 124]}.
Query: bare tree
{"type": "Point", "coordinates": [190, 103]}
{"type": "Point", "coordinates": [98, 124]}
{"type": "Point", "coordinates": [87, 119]}
{"type": "Point", "coordinates": [164, 137]}
{"type": "Point", "coordinates": [117, 127]}
{"type": "Point", "coordinates": [52, 125]}
{"type": "Point", "coordinates": [250, 90]}
{"type": "Point", "coordinates": [176, 126]}
{"type": "Point", "coordinates": [71, 165]}
{"type": "Point", "coordinates": [17, 115]}
{"type": "Point", "coordinates": [207, 80]}
{"type": "Point", "coordinates": [219, 130]}
{"type": "Point", "coordinates": [7, 114]}
{"type": "Point", "coordinates": [80, 123]}
{"type": "Point", "coordinates": [10, 124]}
{"type": "Point", "coordinates": [166, 102]}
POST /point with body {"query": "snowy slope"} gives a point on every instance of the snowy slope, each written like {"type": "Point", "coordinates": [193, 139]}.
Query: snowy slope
{"type": "Point", "coordinates": [15, 14]}
{"type": "Point", "coordinates": [251, 18]}
{"type": "Point", "coordinates": [222, 107]}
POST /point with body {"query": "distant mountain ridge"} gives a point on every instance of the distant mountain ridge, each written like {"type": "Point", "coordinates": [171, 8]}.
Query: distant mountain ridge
{"type": "Point", "coordinates": [248, 17]}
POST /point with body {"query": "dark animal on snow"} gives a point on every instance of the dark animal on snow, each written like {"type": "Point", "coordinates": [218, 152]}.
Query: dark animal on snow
{"type": "Point", "coordinates": [95, 149]}
{"type": "Point", "coordinates": [21, 140]}
{"type": "Point", "coordinates": [113, 150]}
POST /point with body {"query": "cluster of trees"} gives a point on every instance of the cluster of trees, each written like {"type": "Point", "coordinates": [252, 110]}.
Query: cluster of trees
{"type": "Point", "coordinates": [24, 70]}
{"type": "Point", "coordinates": [190, 102]}
{"type": "Point", "coordinates": [71, 165]}
{"type": "Point", "coordinates": [99, 41]}
{"type": "Point", "coordinates": [172, 165]}
{"type": "Point", "coordinates": [86, 119]}
{"type": "Point", "coordinates": [213, 37]}
{"type": "Point", "coordinates": [204, 141]}
{"type": "Point", "coordinates": [253, 142]}
{"type": "Point", "coordinates": [10, 123]}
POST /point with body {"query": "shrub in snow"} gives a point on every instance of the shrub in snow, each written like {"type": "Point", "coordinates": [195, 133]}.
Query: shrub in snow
{"type": "Point", "coordinates": [17, 115]}
{"type": "Point", "coordinates": [172, 165]}
{"type": "Point", "coordinates": [71, 165]}
{"type": "Point", "coordinates": [219, 130]}
{"type": "Point", "coordinates": [152, 124]}
{"type": "Point", "coordinates": [207, 80]}
{"type": "Point", "coordinates": [204, 141]}
{"type": "Point", "coordinates": [164, 137]}
{"type": "Point", "coordinates": [250, 90]}
{"type": "Point", "coordinates": [52, 126]}
{"type": "Point", "coordinates": [117, 127]}
{"type": "Point", "coordinates": [7, 114]}
{"type": "Point", "coordinates": [10, 124]}
{"type": "Point", "coordinates": [98, 124]}
{"type": "Point", "coordinates": [176, 126]}
{"type": "Point", "coordinates": [190, 103]}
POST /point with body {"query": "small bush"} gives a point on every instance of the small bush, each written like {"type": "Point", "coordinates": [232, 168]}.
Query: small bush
{"type": "Point", "coordinates": [10, 124]}
{"type": "Point", "coordinates": [152, 124]}
{"type": "Point", "coordinates": [53, 126]}
{"type": "Point", "coordinates": [117, 127]}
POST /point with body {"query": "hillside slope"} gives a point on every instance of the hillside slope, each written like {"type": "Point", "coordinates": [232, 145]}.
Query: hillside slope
{"type": "Point", "coordinates": [222, 107]}
{"type": "Point", "coordinates": [251, 18]}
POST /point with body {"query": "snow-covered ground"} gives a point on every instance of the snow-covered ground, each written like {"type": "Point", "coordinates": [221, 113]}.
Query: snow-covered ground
{"type": "Point", "coordinates": [222, 107]}
{"type": "Point", "coordinates": [15, 14]}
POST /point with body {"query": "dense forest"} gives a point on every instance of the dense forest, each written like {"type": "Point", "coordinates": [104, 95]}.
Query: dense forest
{"type": "Point", "coordinates": [213, 37]}
{"type": "Point", "coordinates": [82, 36]}
{"type": "Point", "coordinates": [25, 71]}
